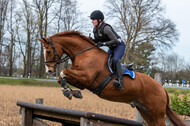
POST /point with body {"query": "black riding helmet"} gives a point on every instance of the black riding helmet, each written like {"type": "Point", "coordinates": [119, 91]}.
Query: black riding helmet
{"type": "Point", "coordinates": [97, 14]}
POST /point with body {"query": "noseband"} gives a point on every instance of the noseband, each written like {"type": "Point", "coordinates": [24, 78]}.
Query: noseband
{"type": "Point", "coordinates": [59, 57]}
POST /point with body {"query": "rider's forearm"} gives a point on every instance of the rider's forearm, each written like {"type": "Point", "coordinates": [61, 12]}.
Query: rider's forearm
{"type": "Point", "coordinates": [110, 43]}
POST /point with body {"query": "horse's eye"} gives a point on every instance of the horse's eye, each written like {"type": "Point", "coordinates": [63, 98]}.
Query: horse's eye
{"type": "Point", "coordinates": [48, 52]}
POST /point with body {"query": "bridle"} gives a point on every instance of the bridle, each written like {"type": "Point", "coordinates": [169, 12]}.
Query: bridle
{"type": "Point", "coordinates": [61, 60]}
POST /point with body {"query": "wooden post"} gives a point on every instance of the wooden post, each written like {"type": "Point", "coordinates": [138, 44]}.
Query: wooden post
{"type": "Point", "coordinates": [140, 119]}
{"type": "Point", "coordinates": [40, 101]}
{"type": "Point", "coordinates": [83, 121]}
{"type": "Point", "coordinates": [31, 112]}
{"type": "Point", "coordinates": [27, 119]}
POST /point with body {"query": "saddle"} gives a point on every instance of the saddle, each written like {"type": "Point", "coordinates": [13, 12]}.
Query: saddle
{"type": "Point", "coordinates": [126, 69]}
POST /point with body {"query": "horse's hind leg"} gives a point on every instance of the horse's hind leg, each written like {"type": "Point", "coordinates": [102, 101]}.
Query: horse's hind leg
{"type": "Point", "coordinates": [153, 114]}
{"type": "Point", "coordinates": [160, 122]}
{"type": "Point", "coordinates": [153, 121]}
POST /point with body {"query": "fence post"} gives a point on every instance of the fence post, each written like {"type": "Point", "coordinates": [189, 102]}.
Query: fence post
{"type": "Point", "coordinates": [40, 101]}
{"type": "Point", "coordinates": [27, 119]}
{"type": "Point", "coordinates": [139, 118]}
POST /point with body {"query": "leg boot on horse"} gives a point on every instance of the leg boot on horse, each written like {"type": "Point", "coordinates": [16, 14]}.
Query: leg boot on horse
{"type": "Point", "coordinates": [67, 91]}
{"type": "Point", "coordinates": [119, 81]}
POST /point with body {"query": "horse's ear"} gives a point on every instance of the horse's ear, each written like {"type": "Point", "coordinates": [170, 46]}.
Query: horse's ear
{"type": "Point", "coordinates": [41, 40]}
{"type": "Point", "coordinates": [44, 41]}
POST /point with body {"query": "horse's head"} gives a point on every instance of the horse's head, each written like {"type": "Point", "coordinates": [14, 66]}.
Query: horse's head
{"type": "Point", "coordinates": [52, 54]}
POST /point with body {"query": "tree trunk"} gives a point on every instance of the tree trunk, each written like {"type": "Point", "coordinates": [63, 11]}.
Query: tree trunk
{"type": "Point", "coordinates": [12, 42]}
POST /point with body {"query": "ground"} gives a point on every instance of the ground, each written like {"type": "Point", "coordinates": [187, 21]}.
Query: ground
{"type": "Point", "coordinates": [9, 95]}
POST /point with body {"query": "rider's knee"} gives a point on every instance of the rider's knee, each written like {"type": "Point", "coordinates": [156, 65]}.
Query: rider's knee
{"type": "Point", "coordinates": [116, 60]}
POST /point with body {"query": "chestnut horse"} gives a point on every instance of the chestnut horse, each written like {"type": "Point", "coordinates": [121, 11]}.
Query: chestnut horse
{"type": "Point", "coordinates": [89, 68]}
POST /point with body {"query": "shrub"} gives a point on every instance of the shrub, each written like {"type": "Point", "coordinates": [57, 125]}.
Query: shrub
{"type": "Point", "coordinates": [181, 104]}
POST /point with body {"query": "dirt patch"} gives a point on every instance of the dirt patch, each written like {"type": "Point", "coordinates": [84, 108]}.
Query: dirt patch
{"type": "Point", "coordinates": [53, 96]}
{"type": "Point", "coordinates": [9, 95]}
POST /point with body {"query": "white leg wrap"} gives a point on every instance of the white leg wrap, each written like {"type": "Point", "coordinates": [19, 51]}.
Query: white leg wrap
{"type": "Point", "coordinates": [62, 75]}
{"type": "Point", "coordinates": [65, 89]}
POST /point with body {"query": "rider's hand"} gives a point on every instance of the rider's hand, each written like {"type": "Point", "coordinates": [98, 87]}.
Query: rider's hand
{"type": "Point", "coordinates": [99, 44]}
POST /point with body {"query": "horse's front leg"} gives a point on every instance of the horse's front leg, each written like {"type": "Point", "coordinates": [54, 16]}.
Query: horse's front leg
{"type": "Point", "coordinates": [84, 77]}
{"type": "Point", "coordinates": [67, 91]}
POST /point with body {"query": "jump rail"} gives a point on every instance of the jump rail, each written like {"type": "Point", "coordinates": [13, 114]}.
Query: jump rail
{"type": "Point", "coordinates": [33, 113]}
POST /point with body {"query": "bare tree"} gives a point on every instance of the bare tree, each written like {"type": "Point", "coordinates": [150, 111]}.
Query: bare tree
{"type": "Point", "coordinates": [67, 17]}
{"type": "Point", "coordinates": [12, 36]}
{"type": "Point", "coordinates": [142, 21]}
{"type": "Point", "coordinates": [171, 64]}
{"type": "Point", "coordinates": [26, 30]}
{"type": "Point", "coordinates": [29, 28]}
{"type": "Point", "coordinates": [42, 7]}
{"type": "Point", "coordinates": [3, 14]}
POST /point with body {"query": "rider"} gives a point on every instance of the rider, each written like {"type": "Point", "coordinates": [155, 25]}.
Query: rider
{"type": "Point", "coordinates": [104, 35]}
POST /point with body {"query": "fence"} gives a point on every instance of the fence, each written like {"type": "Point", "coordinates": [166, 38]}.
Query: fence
{"type": "Point", "coordinates": [176, 85]}
{"type": "Point", "coordinates": [32, 114]}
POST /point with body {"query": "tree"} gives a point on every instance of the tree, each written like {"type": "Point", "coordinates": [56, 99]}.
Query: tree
{"type": "Point", "coordinates": [171, 64]}
{"type": "Point", "coordinates": [3, 14]}
{"type": "Point", "coordinates": [26, 32]}
{"type": "Point", "coordinates": [67, 18]}
{"type": "Point", "coordinates": [67, 15]}
{"type": "Point", "coordinates": [30, 28]}
{"type": "Point", "coordinates": [42, 7]}
{"type": "Point", "coordinates": [142, 21]}
{"type": "Point", "coordinates": [142, 56]}
{"type": "Point", "coordinates": [12, 33]}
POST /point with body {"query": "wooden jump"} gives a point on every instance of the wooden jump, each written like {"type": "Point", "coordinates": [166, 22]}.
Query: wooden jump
{"type": "Point", "coordinates": [32, 114]}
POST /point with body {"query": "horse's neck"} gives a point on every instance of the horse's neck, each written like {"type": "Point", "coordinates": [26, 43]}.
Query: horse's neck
{"type": "Point", "coordinates": [72, 46]}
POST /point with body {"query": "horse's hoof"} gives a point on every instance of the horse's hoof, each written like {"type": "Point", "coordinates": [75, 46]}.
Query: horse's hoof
{"type": "Point", "coordinates": [68, 94]}
{"type": "Point", "coordinates": [77, 94]}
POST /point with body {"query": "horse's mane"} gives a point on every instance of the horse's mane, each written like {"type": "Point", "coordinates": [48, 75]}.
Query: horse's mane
{"type": "Point", "coordinates": [66, 33]}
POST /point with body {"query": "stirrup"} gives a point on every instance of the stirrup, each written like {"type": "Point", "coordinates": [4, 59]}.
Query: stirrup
{"type": "Point", "coordinates": [118, 85]}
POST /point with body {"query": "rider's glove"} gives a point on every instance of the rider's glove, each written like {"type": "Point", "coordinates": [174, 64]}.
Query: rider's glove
{"type": "Point", "coordinates": [99, 44]}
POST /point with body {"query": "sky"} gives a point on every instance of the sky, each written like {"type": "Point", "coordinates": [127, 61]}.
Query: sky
{"type": "Point", "coordinates": [176, 10]}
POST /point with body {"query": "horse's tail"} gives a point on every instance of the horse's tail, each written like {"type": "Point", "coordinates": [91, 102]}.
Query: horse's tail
{"type": "Point", "coordinates": [172, 115]}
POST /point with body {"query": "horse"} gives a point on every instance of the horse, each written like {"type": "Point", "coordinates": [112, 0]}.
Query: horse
{"type": "Point", "coordinates": [89, 68]}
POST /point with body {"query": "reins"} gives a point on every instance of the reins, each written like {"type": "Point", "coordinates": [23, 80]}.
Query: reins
{"type": "Point", "coordinates": [65, 58]}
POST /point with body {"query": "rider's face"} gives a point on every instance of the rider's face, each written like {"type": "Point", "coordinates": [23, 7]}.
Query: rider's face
{"type": "Point", "coordinates": [94, 22]}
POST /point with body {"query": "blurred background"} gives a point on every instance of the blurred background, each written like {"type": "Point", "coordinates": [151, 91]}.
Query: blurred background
{"type": "Point", "coordinates": [155, 32]}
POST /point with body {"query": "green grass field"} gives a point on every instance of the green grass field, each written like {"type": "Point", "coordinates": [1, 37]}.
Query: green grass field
{"type": "Point", "coordinates": [28, 82]}
{"type": "Point", "coordinates": [33, 82]}
{"type": "Point", "coordinates": [172, 90]}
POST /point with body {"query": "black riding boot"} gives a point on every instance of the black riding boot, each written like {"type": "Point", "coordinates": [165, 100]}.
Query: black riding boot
{"type": "Point", "coordinates": [119, 81]}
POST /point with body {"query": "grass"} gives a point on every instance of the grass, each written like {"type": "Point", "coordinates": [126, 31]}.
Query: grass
{"type": "Point", "coordinates": [33, 82]}
{"type": "Point", "coordinates": [182, 91]}
{"type": "Point", "coordinates": [28, 82]}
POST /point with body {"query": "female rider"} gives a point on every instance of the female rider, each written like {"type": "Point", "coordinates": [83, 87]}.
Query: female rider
{"type": "Point", "coordinates": [104, 35]}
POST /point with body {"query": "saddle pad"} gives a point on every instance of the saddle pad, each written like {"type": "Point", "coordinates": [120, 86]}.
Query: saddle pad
{"type": "Point", "coordinates": [124, 68]}
{"type": "Point", "coordinates": [130, 73]}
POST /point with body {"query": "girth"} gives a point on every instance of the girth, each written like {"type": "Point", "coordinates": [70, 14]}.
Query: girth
{"type": "Point", "coordinates": [103, 84]}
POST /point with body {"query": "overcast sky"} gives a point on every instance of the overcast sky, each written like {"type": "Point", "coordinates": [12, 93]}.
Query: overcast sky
{"type": "Point", "coordinates": [176, 10]}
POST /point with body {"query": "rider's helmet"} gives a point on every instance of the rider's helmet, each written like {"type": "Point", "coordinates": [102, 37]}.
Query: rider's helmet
{"type": "Point", "coordinates": [97, 14]}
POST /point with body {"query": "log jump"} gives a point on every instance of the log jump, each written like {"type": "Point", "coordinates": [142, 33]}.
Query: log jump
{"type": "Point", "coordinates": [32, 114]}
